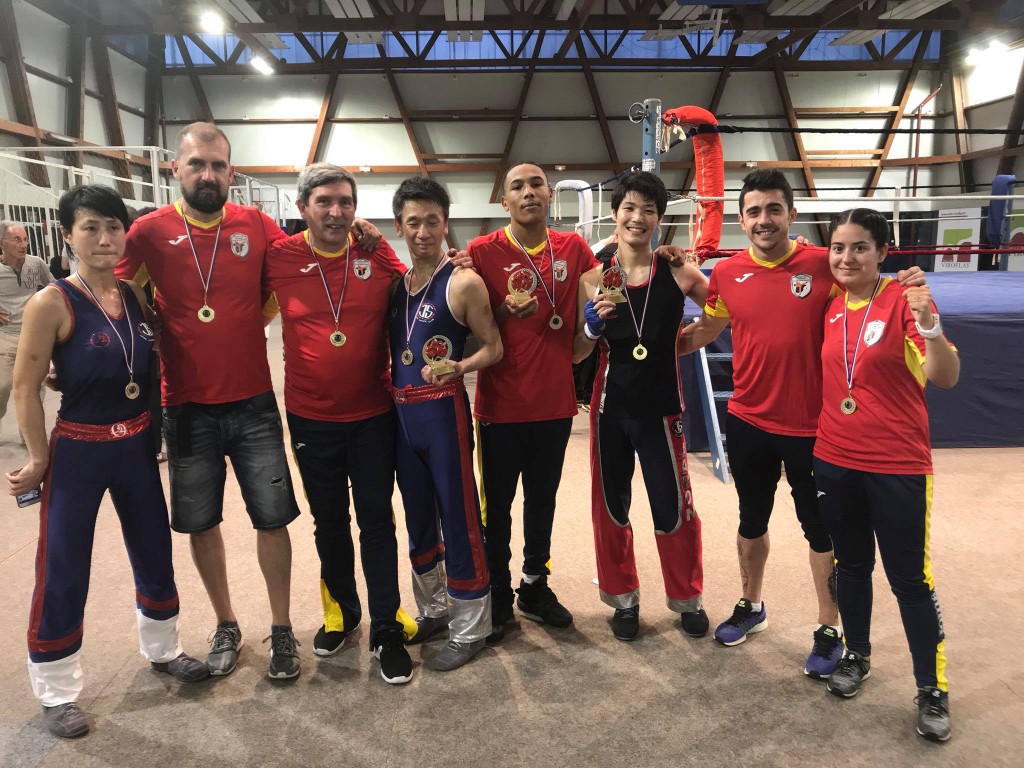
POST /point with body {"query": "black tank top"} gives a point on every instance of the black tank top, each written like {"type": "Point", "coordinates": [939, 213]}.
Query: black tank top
{"type": "Point", "coordinates": [650, 386]}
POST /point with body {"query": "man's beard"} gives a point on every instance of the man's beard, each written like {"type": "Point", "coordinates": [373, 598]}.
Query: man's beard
{"type": "Point", "coordinates": [206, 197]}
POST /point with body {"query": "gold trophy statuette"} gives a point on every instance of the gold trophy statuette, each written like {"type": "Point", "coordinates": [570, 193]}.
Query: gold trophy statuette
{"type": "Point", "coordinates": [521, 285]}
{"type": "Point", "coordinates": [437, 352]}
{"type": "Point", "coordinates": [613, 281]}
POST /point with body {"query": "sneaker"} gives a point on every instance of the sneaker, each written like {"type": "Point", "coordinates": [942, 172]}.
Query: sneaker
{"type": "Point", "coordinates": [501, 613]}
{"type": "Point", "coordinates": [183, 668]}
{"type": "Point", "coordinates": [849, 674]}
{"type": "Point", "coordinates": [224, 647]}
{"type": "Point", "coordinates": [66, 721]}
{"type": "Point", "coordinates": [284, 654]}
{"type": "Point", "coordinates": [743, 622]}
{"type": "Point", "coordinates": [329, 643]}
{"type": "Point", "coordinates": [537, 602]}
{"type": "Point", "coordinates": [827, 650]}
{"type": "Point", "coordinates": [626, 623]}
{"type": "Point", "coordinates": [933, 714]}
{"type": "Point", "coordinates": [455, 654]}
{"type": "Point", "coordinates": [694, 623]}
{"type": "Point", "coordinates": [427, 627]}
{"type": "Point", "coordinates": [395, 663]}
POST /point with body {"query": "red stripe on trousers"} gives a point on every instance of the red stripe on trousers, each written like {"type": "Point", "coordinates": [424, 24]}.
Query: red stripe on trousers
{"type": "Point", "coordinates": [476, 544]}
{"type": "Point", "coordinates": [36, 613]}
{"type": "Point", "coordinates": [427, 557]}
{"type": "Point", "coordinates": [157, 605]}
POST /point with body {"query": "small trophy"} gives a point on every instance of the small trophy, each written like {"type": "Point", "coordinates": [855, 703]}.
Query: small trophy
{"type": "Point", "coordinates": [521, 285]}
{"type": "Point", "coordinates": [613, 280]}
{"type": "Point", "coordinates": [437, 352]}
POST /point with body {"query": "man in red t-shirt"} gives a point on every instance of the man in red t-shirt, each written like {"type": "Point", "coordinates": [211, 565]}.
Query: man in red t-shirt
{"type": "Point", "coordinates": [526, 402]}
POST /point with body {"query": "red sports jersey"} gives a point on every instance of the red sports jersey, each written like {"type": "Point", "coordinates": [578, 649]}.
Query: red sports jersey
{"type": "Point", "coordinates": [888, 432]}
{"type": "Point", "coordinates": [775, 309]}
{"type": "Point", "coordinates": [224, 360]}
{"type": "Point", "coordinates": [322, 381]}
{"type": "Point", "coordinates": [533, 380]}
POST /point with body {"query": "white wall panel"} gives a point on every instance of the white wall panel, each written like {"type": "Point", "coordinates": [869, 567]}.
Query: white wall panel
{"type": "Point", "coordinates": [362, 144]}
{"type": "Point", "coordinates": [134, 128]}
{"type": "Point", "coordinates": [750, 93]}
{"type": "Point", "coordinates": [363, 96]}
{"type": "Point", "coordinates": [989, 116]}
{"type": "Point", "coordinates": [49, 102]}
{"type": "Point", "coordinates": [286, 144]}
{"type": "Point", "coordinates": [473, 90]}
{"type": "Point", "coordinates": [129, 80]}
{"type": "Point", "coordinates": [675, 89]}
{"type": "Point", "coordinates": [561, 142]}
{"type": "Point", "coordinates": [93, 130]}
{"type": "Point", "coordinates": [559, 93]}
{"type": "Point", "coordinates": [44, 39]}
{"type": "Point", "coordinates": [471, 138]}
{"type": "Point", "coordinates": [993, 80]}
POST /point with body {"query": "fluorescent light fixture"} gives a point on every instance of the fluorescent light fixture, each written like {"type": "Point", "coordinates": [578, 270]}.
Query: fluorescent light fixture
{"type": "Point", "coordinates": [559, 167]}
{"type": "Point", "coordinates": [211, 22]}
{"type": "Point", "coordinates": [261, 66]}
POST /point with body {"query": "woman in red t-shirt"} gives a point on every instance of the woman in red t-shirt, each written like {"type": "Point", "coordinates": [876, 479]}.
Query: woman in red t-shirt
{"type": "Point", "coordinates": [872, 457]}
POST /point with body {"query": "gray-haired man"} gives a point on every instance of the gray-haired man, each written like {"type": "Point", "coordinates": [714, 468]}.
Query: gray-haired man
{"type": "Point", "coordinates": [21, 275]}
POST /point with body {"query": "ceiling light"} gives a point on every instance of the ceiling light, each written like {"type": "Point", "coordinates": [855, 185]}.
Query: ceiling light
{"type": "Point", "coordinates": [212, 23]}
{"type": "Point", "coordinates": [261, 66]}
{"type": "Point", "coordinates": [559, 167]}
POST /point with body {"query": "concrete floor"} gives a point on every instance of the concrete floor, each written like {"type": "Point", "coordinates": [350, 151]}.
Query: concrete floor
{"type": "Point", "coordinates": [572, 697]}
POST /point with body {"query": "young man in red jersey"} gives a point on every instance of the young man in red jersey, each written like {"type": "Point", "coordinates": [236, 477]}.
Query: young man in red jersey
{"type": "Point", "coordinates": [525, 403]}
{"type": "Point", "coordinates": [333, 296]}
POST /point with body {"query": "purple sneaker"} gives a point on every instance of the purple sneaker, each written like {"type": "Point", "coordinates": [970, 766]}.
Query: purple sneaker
{"type": "Point", "coordinates": [743, 622]}
{"type": "Point", "coordinates": [827, 650]}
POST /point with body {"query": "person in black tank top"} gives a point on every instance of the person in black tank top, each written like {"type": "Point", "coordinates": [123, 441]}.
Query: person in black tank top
{"type": "Point", "coordinates": [97, 331]}
{"type": "Point", "coordinates": [636, 410]}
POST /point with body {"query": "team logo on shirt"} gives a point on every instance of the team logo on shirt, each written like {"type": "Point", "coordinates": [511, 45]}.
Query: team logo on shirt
{"type": "Point", "coordinates": [426, 313]}
{"type": "Point", "coordinates": [145, 330]}
{"type": "Point", "coordinates": [800, 285]}
{"type": "Point", "coordinates": [561, 270]}
{"type": "Point", "coordinates": [874, 331]}
{"type": "Point", "coordinates": [99, 339]}
{"type": "Point", "coordinates": [239, 242]}
{"type": "Point", "coordinates": [362, 268]}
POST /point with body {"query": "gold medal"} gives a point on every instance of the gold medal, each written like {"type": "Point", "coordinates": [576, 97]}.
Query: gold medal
{"type": "Point", "coordinates": [206, 313]}
{"type": "Point", "coordinates": [640, 352]}
{"type": "Point", "coordinates": [131, 391]}
{"type": "Point", "coordinates": [407, 357]}
{"type": "Point", "coordinates": [338, 338]}
{"type": "Point", "coordinates": [556, 321]}
{"type": "Point", "coordinates": [848, 405]}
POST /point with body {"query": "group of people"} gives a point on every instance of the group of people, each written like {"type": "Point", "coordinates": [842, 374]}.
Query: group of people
{"type": "Point", "coordinates": [375, 356]}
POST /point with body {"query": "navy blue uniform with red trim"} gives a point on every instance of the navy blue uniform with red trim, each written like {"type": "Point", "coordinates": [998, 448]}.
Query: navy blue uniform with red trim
{"type": "Point", "coordinates": [101, 442]}
{"type": "Point", "coordinates": [435, 464]}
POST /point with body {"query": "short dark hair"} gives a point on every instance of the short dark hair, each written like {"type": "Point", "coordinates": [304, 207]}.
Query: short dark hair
{"type": "Point", "coordinates": [515, 165]}
{"type": "Point", "coordinates": [766, 180]}
{"type": "Point", "coordinates": [419, 188]}
{"type": "Point", "coordinates": [874, 222]}
{"type": "Point", "coordinates": [645, 184]}
{"type": "Point", "coordinates": [94, 197]}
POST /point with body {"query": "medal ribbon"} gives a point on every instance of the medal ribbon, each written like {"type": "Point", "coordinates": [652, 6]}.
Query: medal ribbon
{"type": "Point", "coordinates": [204, 279]}
{"type": "Point", "coordinates": [131, 329]}
{"type": "Point", "coordinates": [550, 294]}
{"type": "Point", "coordinates": [856, 347]}
{"type": "Point", "coordinates": [335, 311]}
{"type": "Point", "coordinates": [408, 291]}
{"type": "Point", "coordinates": [650, 284]}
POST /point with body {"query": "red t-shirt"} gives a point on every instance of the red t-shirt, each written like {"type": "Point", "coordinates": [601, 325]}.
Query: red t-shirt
{"type": "Point", "coordinates": [224, 360]}
{"type": "Point", "coordinates": [322, 381]}
{"type": "Point", "coordinates": [533, 380]}
{"type": "Point", "coordinates": [888, 432]}
{"type": "Point", "coordinates": [775, 309]}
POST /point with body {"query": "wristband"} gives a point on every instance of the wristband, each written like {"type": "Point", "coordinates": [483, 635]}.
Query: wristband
{"type": "Point", "coordinates": [589, 335]}
{"type": "Point", "coordinates": [932, 333]}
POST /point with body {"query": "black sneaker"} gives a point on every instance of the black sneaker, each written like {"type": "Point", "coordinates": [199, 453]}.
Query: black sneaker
{"type": "Point", "coordinates": [694, 623]}
{"type": "Point", "coordinates": [626, 623]}
{"type": "Point", "coordinates": [66, 721]}
{"type": "Point", "coordinates": [183, 668]}
{"type": "Point", "coordinates": [329, 643]}
{"type": "Point", "coordinates": [933, 714]}
{"type": "Point", "coordinates": [284, 654]}
{"type": "Point", "coordinates": [395, 663]}
{"type": "Point", "coordinates": [849, 674]}
{"type": "Point", "coordinates": [224, 647]}
{"type": "Point", "coordinates": [501, 613]}
{"type": "Point", "coordinates": [537, 602]}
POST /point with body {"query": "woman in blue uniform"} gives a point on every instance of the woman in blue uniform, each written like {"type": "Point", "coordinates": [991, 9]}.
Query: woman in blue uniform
{"type": "Point", "coordinates": [94, 328]}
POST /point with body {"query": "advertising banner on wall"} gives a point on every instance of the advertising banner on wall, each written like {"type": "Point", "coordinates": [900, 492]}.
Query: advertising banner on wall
{"type": "Point", "coordinates": [1016, 240]}
{"type": "Point", "coordinates": [958, 227]}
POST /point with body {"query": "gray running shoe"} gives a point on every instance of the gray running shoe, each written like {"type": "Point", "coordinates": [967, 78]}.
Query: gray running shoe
{"type": "Point", "coordinates": [427, 627]}
{"type": "Point", "coordinates": [66, 721]}
{"type": "Point", "coordinates": [455, 654]}
{"type": "Point", "coordinates": [284, 654]}
{"type": "Point", "coordinates": [183, 668]}
{"type": "Point", "coordinates": [224, 647]}
{"type": "Point", "coordinates": [933, 714]}
{"type": "Point", "coordinates": [849, 674]}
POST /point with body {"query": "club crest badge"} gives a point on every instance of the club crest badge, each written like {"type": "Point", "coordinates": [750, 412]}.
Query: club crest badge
{"type": "Point", "coordinates": [873, 333]}
{"type": "Point", "coordinates": [561, 270]}
{"type": "Point", "coordinates": [239, 242]}
{"type": "Point", "coordinates": [426, 313]}
{"type": "Point", "coordinates": [800, 285]}
{"type": "Point", "coordinates": [362, 268]}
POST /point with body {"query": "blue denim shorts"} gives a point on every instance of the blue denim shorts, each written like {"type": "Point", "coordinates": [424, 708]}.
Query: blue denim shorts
{"type": "Point", "coordinates": [249, 432]}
